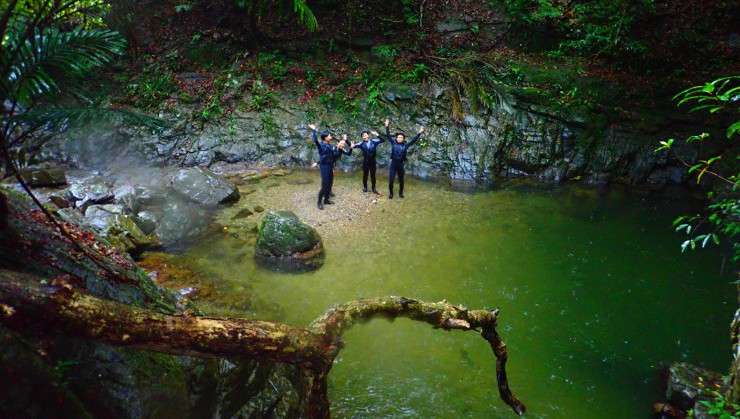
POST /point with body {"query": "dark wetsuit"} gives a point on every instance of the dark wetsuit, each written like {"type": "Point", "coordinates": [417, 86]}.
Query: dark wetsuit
{"type": "Point", "coordinates": [369, 164]}
{"type": "Point", "coordinates": [398, 156]}
{"type": "Point", "coordinates": [336, 153]}
{"type": "Point", "coordinates": [326, 164]}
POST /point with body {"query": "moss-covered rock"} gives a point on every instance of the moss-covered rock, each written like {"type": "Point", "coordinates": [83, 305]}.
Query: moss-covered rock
{"type": "Point", "coordinates": [44, 177]}
{"type": "Point", "coordinates": [287, 243]}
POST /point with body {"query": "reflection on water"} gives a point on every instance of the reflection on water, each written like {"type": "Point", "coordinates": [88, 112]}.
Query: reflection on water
{"type": "Point", "coordinates": [594, 293]}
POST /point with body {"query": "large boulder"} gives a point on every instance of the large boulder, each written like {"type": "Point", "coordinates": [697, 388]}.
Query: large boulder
{"type": "Point", "coordinates": [286, 243]}
{"type": "Point", "coordinates": [204, 187]}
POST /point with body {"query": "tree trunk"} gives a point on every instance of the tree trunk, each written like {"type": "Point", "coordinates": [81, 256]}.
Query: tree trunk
{"type": "Point", "coordinates": [60, 307]}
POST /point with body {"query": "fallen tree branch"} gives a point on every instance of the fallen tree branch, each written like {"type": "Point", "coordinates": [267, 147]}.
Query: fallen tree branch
{"type": "Point", "coordinates": [60, 307]}
{"type": "Point", "coordinates": [441, 315]}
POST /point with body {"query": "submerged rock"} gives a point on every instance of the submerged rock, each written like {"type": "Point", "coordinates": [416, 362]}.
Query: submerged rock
{"type": "Point", "coordinates": [286, 243]}
{"type": "Point", "coordinates": [204, 187]}
{"type": "Point", "coordinates": [181, 221]}
{"type": "Point", "coordinates": [243, 213]}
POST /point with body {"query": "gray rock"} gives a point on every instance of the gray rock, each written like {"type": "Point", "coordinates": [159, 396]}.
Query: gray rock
{"type": "Point", "coordinates": [146, 195]}
{"type": "Point", "coordinates": [204, 187]}
{"type": "Point", "coordinates": [127, 196]}
{"type": "Point", "coordinates": [95, 191]}
{"type": "Point", "coordinates": [44, 177]}
{"type": "Point", "coordinates": [61, 200]}
{"type": "Point", "coordinates": [98, 216]}
{"type": "Point", "coordinates": [125, 234]}
{"type": "Point", "coordinates": [120, 230]}
{"type": "Point", "coordinates": [146, 221]}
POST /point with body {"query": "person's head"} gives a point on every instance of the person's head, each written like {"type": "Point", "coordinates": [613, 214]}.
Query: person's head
{"type": "Point", "coordinates": [400, 137]}
{"type": "Point", "coordinates": [325, 136]}
{"type": "Point", "coordinates": [364, 135]}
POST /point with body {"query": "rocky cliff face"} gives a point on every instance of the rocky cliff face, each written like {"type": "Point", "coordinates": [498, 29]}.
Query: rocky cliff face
{"type": "Point", "coordinates": [515, 139]}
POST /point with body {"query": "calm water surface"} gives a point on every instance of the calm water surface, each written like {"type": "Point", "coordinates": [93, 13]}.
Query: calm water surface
{"type": "Point", "coordinates": [595, 299]}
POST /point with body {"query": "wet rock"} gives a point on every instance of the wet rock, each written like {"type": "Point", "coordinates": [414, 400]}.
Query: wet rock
{"type": "Point", "coordinates": [44, 177]}
{"type": "Point", "coordinates": [98, 216]}
{"type": "Point", "coordinates": [95, 191]}
{"type": "Point", "coordinates": [181, 221]}
{"type": "Point", "coordinates": [127, 196]}
{"type": "Point", "coordinates": [244, 213]}
{"type": "Point", "coordinates": [688, 384]}
{"type": "Point", "coordinates": [285, 243]}
{"type": "Point", "coordinates": [119, 229]}
{"type": "Point", "coordinates": [124, 233]}
{"type": "Point", "coordinates": [146, 221]}
{"type": "Point", "coordinates": [204, 187]}
{"type": "Point", "coordinates": [146, 195]}
{"type": "Point", "coordinates": [61, 200]}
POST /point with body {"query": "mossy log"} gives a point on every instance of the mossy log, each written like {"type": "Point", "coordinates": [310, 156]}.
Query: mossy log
{"type": "Point", "coordinates": [60, 307]}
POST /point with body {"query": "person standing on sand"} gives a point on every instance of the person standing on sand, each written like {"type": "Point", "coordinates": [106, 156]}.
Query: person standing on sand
{"type": "Point", "coordinates": [336, 154]}
{"type": "Point", "coordinates": [369, 165]}
{"type": "Point", "coordinates": [398, 157]}
{"type": "Point", "coordinates": [326, 164]}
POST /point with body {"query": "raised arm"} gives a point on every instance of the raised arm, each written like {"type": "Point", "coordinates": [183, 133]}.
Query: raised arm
{"type": "Point", "coordinates": [348, 151]}
{"type": "Point", "coordinates": [315, 135]}
{"type": "Point", "coordinates": [378, 139]}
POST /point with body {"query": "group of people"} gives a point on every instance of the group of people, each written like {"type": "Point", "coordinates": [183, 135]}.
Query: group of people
{"type": "Point", "coordinates": [329, 154]}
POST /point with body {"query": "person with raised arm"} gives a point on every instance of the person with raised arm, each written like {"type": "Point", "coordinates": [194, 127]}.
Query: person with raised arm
{"type": "Point", "coordinates": [337, 152]}
{"type": "Point", "coordinates": [398, 157]}
{"type": "Point", "coordinates": [326, 164]}
{"type": "Point", "coordinates": [369, 164]}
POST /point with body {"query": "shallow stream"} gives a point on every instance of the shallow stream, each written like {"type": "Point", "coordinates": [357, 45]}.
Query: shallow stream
{"type": "Point", "coordinates": [594, 292]}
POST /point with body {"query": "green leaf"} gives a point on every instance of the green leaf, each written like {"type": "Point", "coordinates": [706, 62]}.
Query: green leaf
{"type": "Point", "coordinates": [733, 129]}
{"type": "Point", "coordinates": [685, 245]}
{"type": "Point", "coordinates": [681, 227]}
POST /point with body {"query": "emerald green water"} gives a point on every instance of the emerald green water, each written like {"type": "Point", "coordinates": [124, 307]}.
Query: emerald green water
{"type": "Point", "coordinates": [595, 296]}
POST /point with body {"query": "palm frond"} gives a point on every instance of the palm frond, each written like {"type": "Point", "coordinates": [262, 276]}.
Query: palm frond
{"type": "Point", "coordinates": [472, 76]}
{"type": "Point", "coordinates": [305, 15]}
{"type": "Point", "coordinates": [54, 118]}
{"type": "Point", "coordinates": [51, 56]}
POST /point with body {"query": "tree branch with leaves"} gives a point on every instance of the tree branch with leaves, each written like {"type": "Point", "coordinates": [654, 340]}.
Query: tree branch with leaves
{"type": "Point", "coordinates": [723, 213]}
